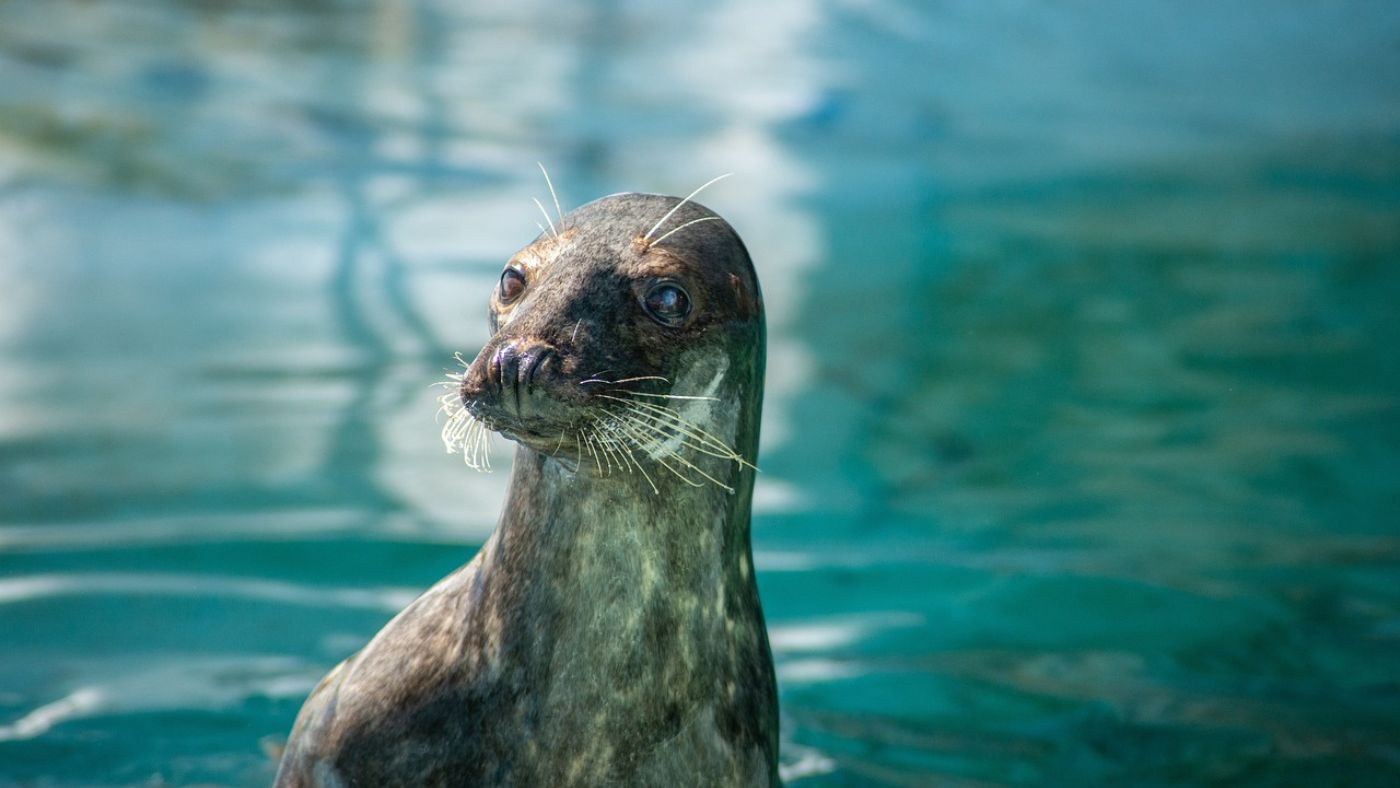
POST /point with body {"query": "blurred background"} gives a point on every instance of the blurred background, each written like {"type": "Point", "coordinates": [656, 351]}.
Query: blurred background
{"type": "Point", "coordinates": [1081, 442]}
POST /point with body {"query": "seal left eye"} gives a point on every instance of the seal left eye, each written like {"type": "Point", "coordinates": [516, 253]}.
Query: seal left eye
{"type": "Point", "coordinates": [667, 303]}
{"type": "Point", "coordinates": [512, 285]}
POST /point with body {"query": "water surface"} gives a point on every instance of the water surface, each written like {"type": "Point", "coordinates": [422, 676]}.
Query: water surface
{"type": "Point", "coordinates": [1081, 436]}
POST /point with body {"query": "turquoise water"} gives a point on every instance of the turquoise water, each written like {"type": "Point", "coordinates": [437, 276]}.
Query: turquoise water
{"type": "Point", "coordinates": [1082, 437]}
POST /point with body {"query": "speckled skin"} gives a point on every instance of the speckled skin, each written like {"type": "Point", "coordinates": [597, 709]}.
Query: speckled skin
{"type": "Point", "coordinates": [606, 633]}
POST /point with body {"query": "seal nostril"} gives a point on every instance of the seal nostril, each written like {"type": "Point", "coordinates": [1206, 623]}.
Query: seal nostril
{"type": "Point", "coordinates": [536, 361]}
{"type": "Point", "coordinates": [493, 370]}
{"type": "Point", "coordinates": [507, 364]}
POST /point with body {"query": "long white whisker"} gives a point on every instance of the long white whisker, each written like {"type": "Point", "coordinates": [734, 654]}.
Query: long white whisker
{"type": "Point", "coordinates": [671, 418]}
{"type": "Point", "coordinates": [584, 441]}
{"type": "Point", "coordinates": [682, 425]}
{"type": "Point", "coordinates": [608, 454]}
{"type": "Point", "coordinates": [678, 205]}
{"type": "Point", "coordinates": [671, 415]}
{"type": "Point", "coordinates": [643, 430]}
{"type": "Point", "coordinates": [625, 380]}
{"type": "Point", "coordinates": [628, 452]}
{"type": "Point", "coordinates": [679, 434]}
{"type": "Point", "coordinates": [605, 444]}
{"type": "Point", "coordinates": [554, 196]}
{"type": "Point", "coordinates": [707, 442]}
{"type": "Point", "coordinates": [654, 489]}
{"type": "Point", "coordinates": [672, 396]}
{"type": "Point", "coordinates": [667, 466]}
{"type": "Point", "coordinates": [697, 469]}
{"type": "Point", "coordinates": [545, 213]}
{"type": "Point", "coordinates": [674, 230]}
{"type": "Point", "coordinates": [463, 433]}
{"type": "Point", "coordinates": [483, 442]}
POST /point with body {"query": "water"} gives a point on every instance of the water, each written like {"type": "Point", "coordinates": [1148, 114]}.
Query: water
{"type": "Point", "coordinates": [1081, 440]}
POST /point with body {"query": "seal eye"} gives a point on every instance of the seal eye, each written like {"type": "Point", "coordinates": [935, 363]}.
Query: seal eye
{"type": "Point", "coordinates": [667, 303]}
{"type": "Point", "coordinates": [512, 285]}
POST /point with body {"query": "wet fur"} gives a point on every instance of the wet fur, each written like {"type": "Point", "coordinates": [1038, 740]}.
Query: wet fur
{"type": "Point", "coordinates": [609, 632]}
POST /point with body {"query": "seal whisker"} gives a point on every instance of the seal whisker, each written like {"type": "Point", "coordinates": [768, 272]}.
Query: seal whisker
{"type": "Point", "coordinates": [470, 443]}
{"type": "Point", "coordinates": [678, 205]}
{"type": "Point", "coordinates": [619, 455]}
{"type": "Point", "coordinates": [552, 231]}
{"type": "Point", "coordinates": [652, 435]}
{"type": "Point", "coordinates": [592, 447]}
{"type": "Point", "coordinates": [628, 451]}
{"type": "Point", "coordinates": [708, 443]}
{"type": "Point", "coordinates": [586, 442]}
{"type": "Point", "coordinates": [663, 438]}
{"type": "Point", "coordinates": [631, 454]}
{"type": "Point", "coordinates": [677, 473]}
{"type": "Point", "coordinates": [672, 396]}
{"type": "Point", "coordinates": [596, 379]}
{"type": "Point", "coordinates": [673, 230]}
{"type": "Point", "coordinates": [463, 432]}
{"type": "Point", "coordinates": [607, 454]}
{"type": "Point", "coordinates": [552, 194]}
{"type": "Point", "coordinates": [697, 469]}
{"type": "Point", "coordinates": [648, 444]}
{"type": "Point", "coordinates": [604, 445]}
{"type": "Point", "coordinates": [688, 428]}
{"type": "Point", "coordinates": [658, 443]}
{"type": "Point", "coordinates": [482, 450]}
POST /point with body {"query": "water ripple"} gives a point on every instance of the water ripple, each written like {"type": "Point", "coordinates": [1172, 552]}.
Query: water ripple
{"type": "Point", "coordinates": [28, 588]}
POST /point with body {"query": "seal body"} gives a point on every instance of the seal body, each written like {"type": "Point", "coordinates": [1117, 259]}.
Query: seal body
{"type": "Point", "coordinates": [609, 632]}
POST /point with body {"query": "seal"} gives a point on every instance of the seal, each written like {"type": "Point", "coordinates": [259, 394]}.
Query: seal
{"type": "Point", "coordinates": [609, 632]}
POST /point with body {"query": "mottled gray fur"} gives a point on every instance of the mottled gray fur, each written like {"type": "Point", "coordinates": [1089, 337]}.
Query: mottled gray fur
{"type": "Point", "coordinates": [606, 633]}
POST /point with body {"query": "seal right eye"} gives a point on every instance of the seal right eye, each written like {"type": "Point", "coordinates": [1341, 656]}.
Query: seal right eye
{"type": "Point", "coordinates": [667, 304]}
{"type": "Point", "coordinates": [512, 285]}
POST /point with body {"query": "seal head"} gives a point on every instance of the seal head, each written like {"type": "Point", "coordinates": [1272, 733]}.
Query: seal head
{"type": "Point", "coordinates": [600, 312]}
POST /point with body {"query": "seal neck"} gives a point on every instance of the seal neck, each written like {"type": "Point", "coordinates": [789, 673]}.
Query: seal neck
{"type": "Point", "coordinates": [602, 556]}
{"type": "Point", "coordinates": [650, 534]}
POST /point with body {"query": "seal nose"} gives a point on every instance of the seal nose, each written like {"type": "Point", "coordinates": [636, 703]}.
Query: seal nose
{"type": "Point", "coordinates": [513, 371]}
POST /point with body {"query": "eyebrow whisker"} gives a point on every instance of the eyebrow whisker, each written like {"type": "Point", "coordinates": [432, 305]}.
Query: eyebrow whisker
{"type": "Point", "coordinates": [545, 213]}
{"type": "Point", "coordinates": [682, 227]}
{"type": "Point", "coordinates": [678, 205]}
{"type": "Point", "coordinates": [554, 196]}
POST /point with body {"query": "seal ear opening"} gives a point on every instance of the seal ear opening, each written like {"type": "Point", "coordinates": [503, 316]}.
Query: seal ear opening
{"type": "Point", "coordinates": [748, 307]}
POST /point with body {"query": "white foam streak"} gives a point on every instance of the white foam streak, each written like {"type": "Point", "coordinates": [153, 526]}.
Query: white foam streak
{"type": "Point", "coordinates": [176, 681]}
{"type": "Point", "coordinates": [22, 589]}
{"type": "Point", "coordinates": [78, 703]}
{"type": "Point", "coordinates": [833, 633]}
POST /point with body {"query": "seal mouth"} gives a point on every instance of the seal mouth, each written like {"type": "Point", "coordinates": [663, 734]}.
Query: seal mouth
{"type": "Point", "coordinates": [463, 432]}
{"type": "Point", "coordinates": [616, 429]}
{"type": "Point", "coordinates": [514, 392]}
{"type": "Point", "coordinates": [518, 389]}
